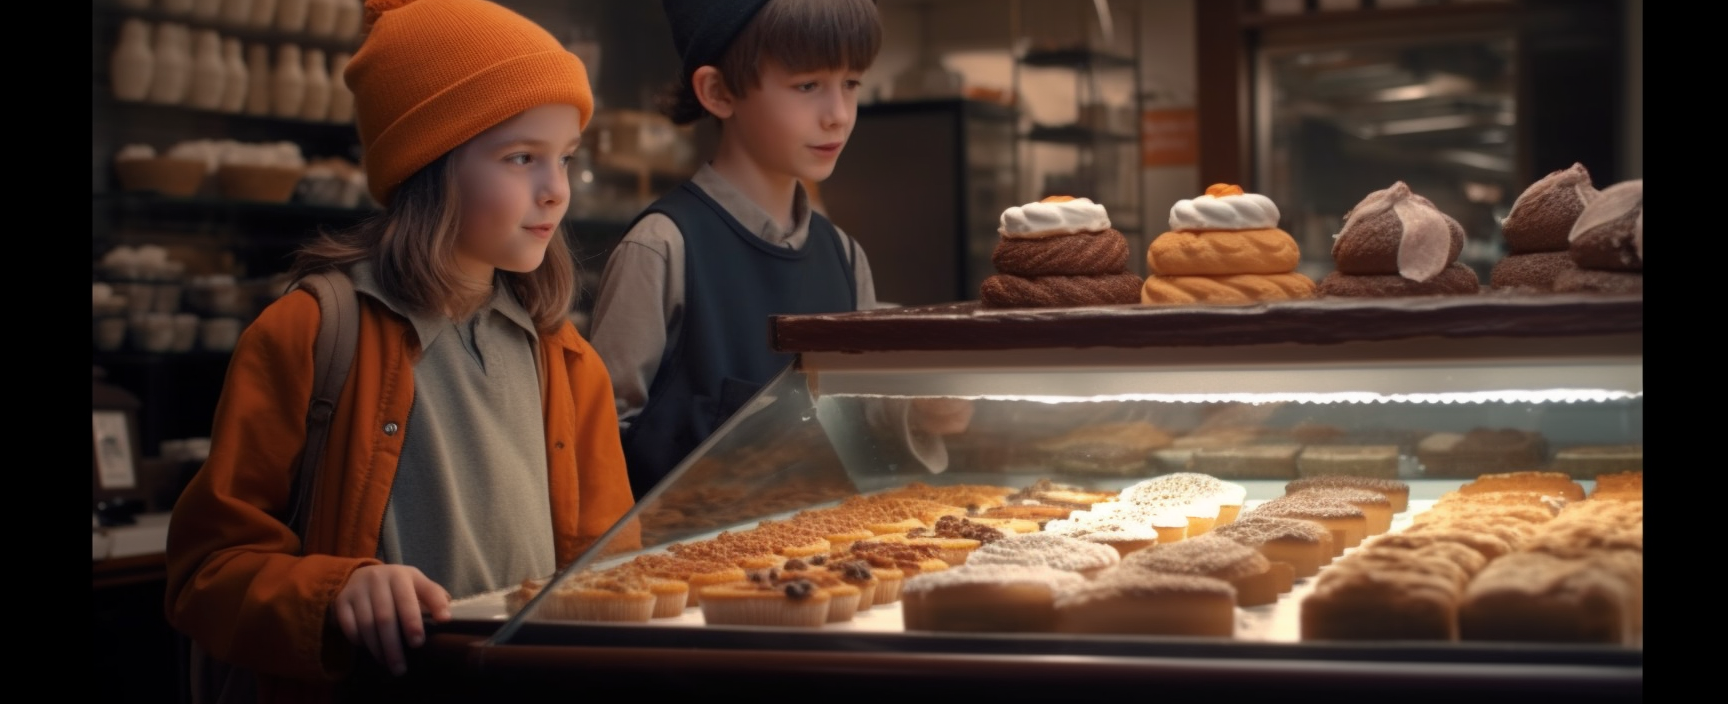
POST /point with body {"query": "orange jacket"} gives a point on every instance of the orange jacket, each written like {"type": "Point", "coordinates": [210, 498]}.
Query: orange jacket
{"type": "Point", "coordinates": [238, 583]}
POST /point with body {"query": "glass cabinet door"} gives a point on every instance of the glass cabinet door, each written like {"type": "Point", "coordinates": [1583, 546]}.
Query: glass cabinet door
{"type": "Point", "coordinates": [1336, 121]}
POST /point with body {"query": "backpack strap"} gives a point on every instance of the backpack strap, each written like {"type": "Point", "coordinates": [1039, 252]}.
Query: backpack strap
{"type": "Point", "coordinates": [333, 355]}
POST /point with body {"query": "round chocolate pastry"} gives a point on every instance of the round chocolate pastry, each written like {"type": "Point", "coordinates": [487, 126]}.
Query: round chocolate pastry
{"type": "Point", "coordinates": [1456, 279]}
{"type": "Point", "coordinates": [1063, 255]}
{"type": "Point", "coordinates": [1535, 272]}
{"type": "Point", "coordinates": [1010, 291]}
{"type": "Point", "coordinates": [1609, 235]}
{"type": "Point", "coordinates": [1542, 217]}
{"type": "Point", "coordinates": [1596, 281]}
{"type": "Point", "coordinates": [1394, 231]}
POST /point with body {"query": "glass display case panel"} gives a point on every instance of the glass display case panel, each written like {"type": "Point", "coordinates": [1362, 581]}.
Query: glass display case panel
{"type": "Point", "coordinates": [836, 427]}
{"type": "Point", "coordinates": [1341, 119]}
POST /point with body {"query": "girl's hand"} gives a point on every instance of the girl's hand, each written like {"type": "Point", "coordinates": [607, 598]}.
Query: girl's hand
{"type": "Point", "coordinates": [382, 603]}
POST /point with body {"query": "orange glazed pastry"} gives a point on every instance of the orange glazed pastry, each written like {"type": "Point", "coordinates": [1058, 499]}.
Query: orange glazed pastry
{"type": "Point", "coordinates": [1551, 483]}
{"type": "Point", "coordinates": [1224, 247]}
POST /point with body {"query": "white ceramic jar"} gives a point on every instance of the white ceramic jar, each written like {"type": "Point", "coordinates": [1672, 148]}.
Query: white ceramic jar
{"type": "Point", "coordinates": [235, 77]}
{"type": "Point", "coordinates": [349, 14]}
{"type": "Point", "coordinates": [291, 15]}
{"type": "Point", "coordinates": [172, 75]}
{"type": "Point", "coordinates": [133, 63]}
{"type": "Point", "coordinates": [321, 18]}
{"type": "Point", "coordinates": [236, 13]}
{"type": "Point", "coordinates": [209, 73]}
{"type": "Point", "coordinates": [258, 81]}
{"type": "Point", "coordinates": [341, 99]}
{"type": "Point", "coordinates": [288, 84]}
{"type": "Point", "coordinates": [206, 11]}
{"type": "Point", "coordinates": [316, 105]}
{"type": "Point", "coordinates": [263, 14]}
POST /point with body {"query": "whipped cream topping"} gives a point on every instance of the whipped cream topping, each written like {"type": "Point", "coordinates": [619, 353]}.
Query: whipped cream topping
{"type": "Point", "coordinates": [1248, 211]}
{"type": "Point", "coordinates": [1053, 218]}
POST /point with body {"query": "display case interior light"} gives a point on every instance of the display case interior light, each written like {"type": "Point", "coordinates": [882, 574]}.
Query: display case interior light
{"type": "Point", "coordinates": [1388, 383]}
{"type": "Point", "coordinates": [1511, 396]}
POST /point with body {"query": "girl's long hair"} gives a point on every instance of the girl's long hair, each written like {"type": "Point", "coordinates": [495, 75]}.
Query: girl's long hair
{"type": "Point", "coordinates": [412, 245]}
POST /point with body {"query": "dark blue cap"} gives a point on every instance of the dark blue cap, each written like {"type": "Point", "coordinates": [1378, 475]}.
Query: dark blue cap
{"type": "Point", "coordinates": [703, 29]}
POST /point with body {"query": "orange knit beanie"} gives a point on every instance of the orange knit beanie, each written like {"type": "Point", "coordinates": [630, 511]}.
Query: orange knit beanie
{"type": "Point", "coordinates": [432, 74]}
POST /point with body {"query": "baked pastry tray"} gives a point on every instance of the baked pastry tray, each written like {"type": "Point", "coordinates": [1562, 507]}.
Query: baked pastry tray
{"type": "Point", "coordinates": [1264, 632]}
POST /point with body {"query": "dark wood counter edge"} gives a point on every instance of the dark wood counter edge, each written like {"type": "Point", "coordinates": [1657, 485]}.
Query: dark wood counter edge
{"type": "Point", "coordinates": [966, 326]}
{"type": "Point", "coordinates": [553, 667]}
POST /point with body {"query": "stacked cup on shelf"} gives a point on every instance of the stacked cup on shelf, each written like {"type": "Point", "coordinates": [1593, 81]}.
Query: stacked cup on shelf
{"type": "Point", "coordinates": [255, 171]}
{"type": "Point", "coordinates": [140, 298]}
{"type": "Point", "coordinates": [144, 301]}
{"type": "Point", "coordinates": [189, 63]}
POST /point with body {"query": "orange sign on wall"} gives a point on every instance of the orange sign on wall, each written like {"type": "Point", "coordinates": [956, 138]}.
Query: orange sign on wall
{"type": "Point", "coordinates": [1169, 137]}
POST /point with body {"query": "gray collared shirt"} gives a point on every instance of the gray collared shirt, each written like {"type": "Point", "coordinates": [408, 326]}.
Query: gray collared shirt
{"type": "Point", "coordinates": [470, 506]}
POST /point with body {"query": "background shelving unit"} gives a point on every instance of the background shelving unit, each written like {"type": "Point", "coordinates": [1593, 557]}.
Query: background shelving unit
{"type": "Point", "coordinates": [1094, 150]}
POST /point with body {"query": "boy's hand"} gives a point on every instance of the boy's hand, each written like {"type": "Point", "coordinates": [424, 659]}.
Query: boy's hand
{"type": "Point", "coordinates": [382, 604]}
{"type": "Point", "coordinates": [941, 416]}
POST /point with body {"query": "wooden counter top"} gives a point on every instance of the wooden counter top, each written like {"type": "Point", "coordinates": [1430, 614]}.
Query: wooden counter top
{"type": "Point", "coordinates": [968, 326]}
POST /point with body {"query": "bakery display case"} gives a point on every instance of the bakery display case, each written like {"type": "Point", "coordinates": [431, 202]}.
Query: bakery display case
{"type": "Point", "coordinates": [965, 404]}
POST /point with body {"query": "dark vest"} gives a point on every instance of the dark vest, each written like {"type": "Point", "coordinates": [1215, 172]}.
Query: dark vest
{"type": "Point", "coordinates": [733, 282]}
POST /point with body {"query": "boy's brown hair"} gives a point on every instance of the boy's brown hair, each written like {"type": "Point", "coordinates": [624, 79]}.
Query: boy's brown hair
{"type": "Point", "coordinates": [800, 35]}
{"type": "Point", "coordinates": [412, 246]}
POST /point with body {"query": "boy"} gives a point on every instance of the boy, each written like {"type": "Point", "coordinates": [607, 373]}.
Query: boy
{"type": "Point", "coordinates": [682, 316]}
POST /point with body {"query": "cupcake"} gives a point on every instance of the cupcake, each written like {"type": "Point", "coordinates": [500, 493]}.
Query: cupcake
{"type": "Point", "coordinates": [1396, 243]}
{"type": "Point", "coordinates": [766, 599]}
{"type": "Point", "coordinates": [604, 596]}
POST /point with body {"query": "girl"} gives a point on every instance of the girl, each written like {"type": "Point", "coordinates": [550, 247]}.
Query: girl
{"type": "Point", "coordinates": [474, 444]}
